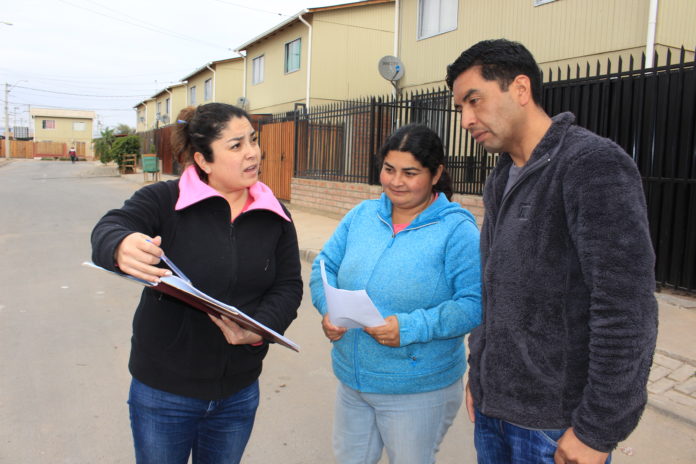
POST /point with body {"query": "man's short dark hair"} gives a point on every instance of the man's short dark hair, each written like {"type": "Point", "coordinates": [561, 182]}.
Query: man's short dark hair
{"type": "Point", "coordinates": [500, 60]}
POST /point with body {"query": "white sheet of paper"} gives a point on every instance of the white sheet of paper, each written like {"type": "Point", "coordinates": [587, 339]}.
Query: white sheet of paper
{"type": "Point", "coordinates": [350, 308]}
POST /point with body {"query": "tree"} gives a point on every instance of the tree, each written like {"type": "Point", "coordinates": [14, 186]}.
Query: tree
{"type": "Point", "coordinates": [124, 129]}
{"type": "Point", "coordinates": [103, 145]}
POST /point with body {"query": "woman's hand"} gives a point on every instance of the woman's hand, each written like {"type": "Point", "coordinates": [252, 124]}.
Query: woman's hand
{"type": "Point", "coordinates": [331, 331]}
{"type": "Point", "coordinates": [137, 256]}
{"type": "Point", "coordinates": [387, 334]}
{"type": "Point", "coordinates": [234, 334]}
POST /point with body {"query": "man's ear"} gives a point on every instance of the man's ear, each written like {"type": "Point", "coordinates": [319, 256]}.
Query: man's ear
{"type": "Point", "coordinates": [521, 89]}
{"type": "Point", "coordinates": [199, 159]}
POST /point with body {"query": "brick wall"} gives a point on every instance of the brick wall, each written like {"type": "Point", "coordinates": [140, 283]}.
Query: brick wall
{"type": "Point", "coordinates": [337, 198]}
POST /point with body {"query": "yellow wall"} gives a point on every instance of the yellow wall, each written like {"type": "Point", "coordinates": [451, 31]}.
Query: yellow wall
{"type": "Point", "coordinates": [178, 101]}
{"type": "Point", "coordinates": [558, 33]}
{"type": "Point", "coordinates": [347, 47]}
{"type": "Point", "coordinates": [64, 131]}
{"type": "Point", "coordinates": [199, 82]}
{"type": "Point", "coordinates": [228, 81]}
{"type": "Point", "coordinates": [277, 88]}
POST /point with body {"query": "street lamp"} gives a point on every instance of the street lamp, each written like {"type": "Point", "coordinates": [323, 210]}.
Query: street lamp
{"type": "Point", "coordinates": [7, 118]}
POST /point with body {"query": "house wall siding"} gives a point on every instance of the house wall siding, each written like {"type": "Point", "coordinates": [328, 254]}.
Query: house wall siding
{"type": "Point", "coordinates": [348, 45]}
{"type": "Point", "coordinates": [561, 33]}
{"type": "Point", "coordinates": [278, 89]}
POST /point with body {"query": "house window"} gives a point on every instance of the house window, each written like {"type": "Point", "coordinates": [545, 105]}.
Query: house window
{"type": "Point", "coordinates": [292, 55]}
{"type": "Point", "coordinates": [79, 126]}
{"type": "Point", "coordinates": [48, 124]}
{"type": "Point", "coordinates": [168, 106]}
{"type": "Point", "coordinates": [257, 69]}
{"type": "Point", "coordinates": [192, 95]}
{"type": "Point", "coordinates": [436, 17]}
{"type": "Point", "coordinates": [208, 89]}
{"type": "Point", "coordinates": [159, 108]}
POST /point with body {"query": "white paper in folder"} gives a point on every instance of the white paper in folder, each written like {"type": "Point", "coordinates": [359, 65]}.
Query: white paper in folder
{"type": "Point", "coordinates": [350, 308]}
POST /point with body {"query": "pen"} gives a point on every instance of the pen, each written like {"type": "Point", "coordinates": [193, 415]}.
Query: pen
{"type": "Point", "coordinates": [173, 266]}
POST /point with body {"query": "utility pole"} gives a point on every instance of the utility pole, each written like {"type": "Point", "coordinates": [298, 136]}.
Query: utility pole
{"type": "Point", "coordinates": [7, 122]}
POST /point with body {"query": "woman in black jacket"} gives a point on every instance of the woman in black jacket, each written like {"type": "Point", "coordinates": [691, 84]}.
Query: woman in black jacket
{"type": "Point", "coordinates": [195, 377]}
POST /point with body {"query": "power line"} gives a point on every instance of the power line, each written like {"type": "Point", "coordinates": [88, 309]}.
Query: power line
{"type": "Point", "coordinates": [80, 95]}
{"type": "Point", "coordinates": [146, 26]}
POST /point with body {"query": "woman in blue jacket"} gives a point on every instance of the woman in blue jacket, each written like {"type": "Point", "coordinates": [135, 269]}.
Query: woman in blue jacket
{"type": "Point", "coordinates": [417, 256]}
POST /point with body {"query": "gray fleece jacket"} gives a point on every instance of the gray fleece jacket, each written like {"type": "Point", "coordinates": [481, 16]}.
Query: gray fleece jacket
{"type": "Point", "coordinates": [569, 312]}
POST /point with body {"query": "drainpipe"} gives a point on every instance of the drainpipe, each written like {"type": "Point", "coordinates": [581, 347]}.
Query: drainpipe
{"type": "Point", "coordinates": [396, 36]}
{"type": "Point", "coordinates": [244, 79]}
{"type": "Point", "coordinates": [652, 26]}
{"type": "Point", "coordinates": [309, 55]}
{"type": "Point", "coordinates": [213, 71]}
{"type": "Point", "coordinates": [396, 29]}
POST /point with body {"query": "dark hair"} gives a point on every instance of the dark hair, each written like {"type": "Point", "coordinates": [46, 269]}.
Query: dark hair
{"type": "Point", "coordinates": [197, 128]}
{"type": "Point", "coordinates": [425, 146]}
{"type": "Point", "coordinates": [501, 60]}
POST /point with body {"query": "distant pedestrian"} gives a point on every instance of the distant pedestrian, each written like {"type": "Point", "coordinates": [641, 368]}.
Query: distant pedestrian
{"type": "Point", "coordinates": [559, 366]}
{"type": "Point", "coordinates": [416, 253]}
{"type": "Point", "coordinates": [73, 154]}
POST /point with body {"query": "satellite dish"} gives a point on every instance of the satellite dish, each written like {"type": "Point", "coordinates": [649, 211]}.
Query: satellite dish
{"type": "Point", "coordinates": [391, 68]}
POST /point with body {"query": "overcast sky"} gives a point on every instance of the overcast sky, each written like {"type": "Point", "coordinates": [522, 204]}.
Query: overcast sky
{"type": "Point", "coordinates": [108, 56]}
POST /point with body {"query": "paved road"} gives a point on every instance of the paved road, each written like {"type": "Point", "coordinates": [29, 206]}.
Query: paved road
{"type": "Point", "coordinates": [64, 340]}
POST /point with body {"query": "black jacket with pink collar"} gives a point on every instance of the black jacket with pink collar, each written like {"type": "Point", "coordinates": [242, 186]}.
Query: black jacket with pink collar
{"type": "Point", "coordinates": [251, 263]}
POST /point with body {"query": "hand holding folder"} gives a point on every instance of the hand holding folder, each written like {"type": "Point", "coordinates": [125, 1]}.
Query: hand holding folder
{"type": "Point", "coordinates": [181, 288]}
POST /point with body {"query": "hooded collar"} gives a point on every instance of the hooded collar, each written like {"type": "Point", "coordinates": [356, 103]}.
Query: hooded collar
{"type": "Point", "coordinates": [193, 190]}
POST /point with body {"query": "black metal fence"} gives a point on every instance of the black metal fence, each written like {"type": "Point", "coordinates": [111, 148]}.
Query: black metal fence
{"type": "Point", "coordinates": [650, 112]}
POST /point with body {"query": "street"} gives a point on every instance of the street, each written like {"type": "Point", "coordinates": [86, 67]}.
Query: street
{"type": "Point", "coordinates": [65, 338]}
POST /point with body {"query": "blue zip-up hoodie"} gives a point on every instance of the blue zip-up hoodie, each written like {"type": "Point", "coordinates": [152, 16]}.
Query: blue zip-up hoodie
{"type": "Point", "coordinates": [428, 275]}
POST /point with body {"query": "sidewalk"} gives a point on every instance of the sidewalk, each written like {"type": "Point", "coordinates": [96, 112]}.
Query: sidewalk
{"type": "Point", "coordinates": [672, 382]}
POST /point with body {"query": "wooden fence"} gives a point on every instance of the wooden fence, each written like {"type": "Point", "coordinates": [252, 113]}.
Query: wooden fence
{"type": "Point", "coordinates": [23, 149]}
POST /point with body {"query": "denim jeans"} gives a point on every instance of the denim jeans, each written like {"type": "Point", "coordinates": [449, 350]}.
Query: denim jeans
{"type": "Point", "coordinates": [500, 442]}
{"type": "Point", "coordinates": [410, 427]}
{"type": "Point", "coordinates": [167, 427]}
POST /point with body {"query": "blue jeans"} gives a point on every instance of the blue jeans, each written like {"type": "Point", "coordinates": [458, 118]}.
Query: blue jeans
{"type": "Point", "coordinates": [168, 427]}
{"type": "Point", "coordinates": [500, 442]}
{"type": "Point", "coordinates": [410, 427]}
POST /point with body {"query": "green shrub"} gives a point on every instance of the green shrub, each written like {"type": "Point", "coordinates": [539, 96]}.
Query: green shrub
{"type": "Point", "coordinates": [125, 145]}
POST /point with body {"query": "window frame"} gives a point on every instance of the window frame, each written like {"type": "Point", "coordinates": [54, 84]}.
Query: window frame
{"type": "Point", "coordinates": [44, 124]}
{"type": "Point", "coordinates": [440, 30]}
{"type": "Point", "coordinates": [258, 79]}
{"type": "Point", "coordinates": [208, 89]}
{"type": "Point", "coordinates": [77, 124]}
{"type": "Point", "coordinates": [192, 95]}
{"type": "Point", "coordinates": [288, 45]}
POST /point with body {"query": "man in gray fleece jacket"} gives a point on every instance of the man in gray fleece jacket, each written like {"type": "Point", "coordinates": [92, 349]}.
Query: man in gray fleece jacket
{"type": "Point", "coordinates": [559, 367]}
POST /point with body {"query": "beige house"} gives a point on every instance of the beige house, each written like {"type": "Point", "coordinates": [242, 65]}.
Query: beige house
{"type": "Point", "coordinates": [319, 56]}
{"type": "Point", "coordinates": [432, 33]}
{"type": "Point", "coordinates": [218, 81]}
{"type": "Point", "coordinates": [145, 115]}
{"type": "Point", "coordinates": [69, 127]}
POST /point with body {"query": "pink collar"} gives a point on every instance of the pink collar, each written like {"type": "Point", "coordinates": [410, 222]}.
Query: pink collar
{"type": "Point", "coordinates": [192, 190]}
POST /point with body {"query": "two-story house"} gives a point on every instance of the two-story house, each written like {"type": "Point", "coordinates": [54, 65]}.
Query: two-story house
{"type": "Point", "coordinates": [72, 128]}
{"type": "Point", "coordinates": [319, 56]}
